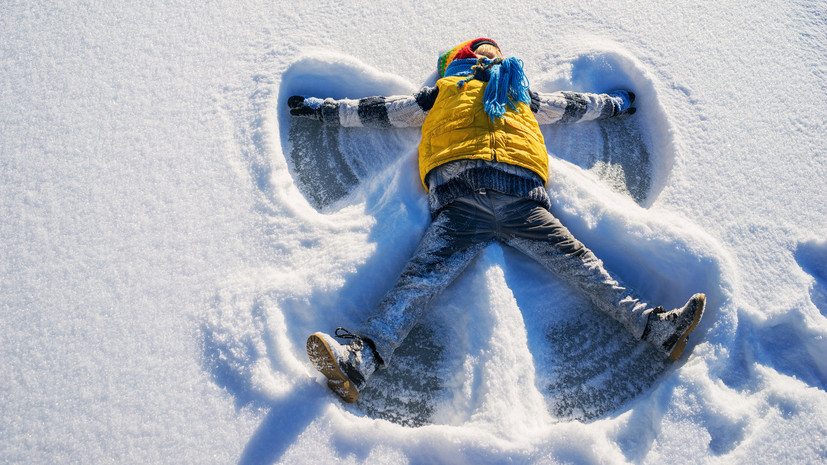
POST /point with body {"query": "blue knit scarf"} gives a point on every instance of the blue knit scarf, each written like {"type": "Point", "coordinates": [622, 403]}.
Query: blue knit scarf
{"type": "Point", "coordinates": [507, 82]}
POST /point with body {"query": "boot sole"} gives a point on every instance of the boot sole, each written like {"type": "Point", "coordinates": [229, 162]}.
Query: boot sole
{"type": "Point", "coordinates": [682, 341]}
{"type": "Point", "coordinates": [321, 356]}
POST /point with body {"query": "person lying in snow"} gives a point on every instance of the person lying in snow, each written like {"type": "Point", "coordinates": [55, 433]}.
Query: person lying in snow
{"type": "Point", "coordinates": [483, 163]}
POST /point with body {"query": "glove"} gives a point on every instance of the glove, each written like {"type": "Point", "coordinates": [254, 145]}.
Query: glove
{"type": "Point", "coordinates": [622, 101]}
{"type": "Point", "coordinates": [306, 107]}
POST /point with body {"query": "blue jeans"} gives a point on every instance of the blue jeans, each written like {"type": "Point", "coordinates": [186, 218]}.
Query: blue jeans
{"type": "Point", "coordinates": [461, 231]}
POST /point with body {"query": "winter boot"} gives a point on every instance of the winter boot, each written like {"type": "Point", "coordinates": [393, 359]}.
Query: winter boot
{"type": "Point", "coordinates": [669, 331]}
{"type": "Point", "coordinates": [346, 366]}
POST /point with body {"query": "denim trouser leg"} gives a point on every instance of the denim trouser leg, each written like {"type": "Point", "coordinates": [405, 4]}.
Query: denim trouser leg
{"type": "Point", "coordinates": [450, 243]}
{"type": "Point", "coordinates": [534, 231]}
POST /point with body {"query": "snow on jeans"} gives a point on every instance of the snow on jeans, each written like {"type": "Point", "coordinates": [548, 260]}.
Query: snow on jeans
{"type": "Point", "coordinates": [461, 231]}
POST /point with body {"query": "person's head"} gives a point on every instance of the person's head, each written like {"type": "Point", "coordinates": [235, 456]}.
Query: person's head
{"type": "Point", "coordinates": [488, 51]}
{"type": "Point", "coordinates": [474, 48]}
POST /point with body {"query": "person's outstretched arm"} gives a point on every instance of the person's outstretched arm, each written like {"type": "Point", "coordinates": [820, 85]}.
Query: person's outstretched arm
{"type": "Point", "coordinates": [397, 111]}
{"type": "Point", "coordinates": [573, 107]}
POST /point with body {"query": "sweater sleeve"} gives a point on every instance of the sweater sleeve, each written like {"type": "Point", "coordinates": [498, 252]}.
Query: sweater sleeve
{"type": "Point", "coordinates": [571, 107]}
{"type": "Point", "coordinates": [396, 111]}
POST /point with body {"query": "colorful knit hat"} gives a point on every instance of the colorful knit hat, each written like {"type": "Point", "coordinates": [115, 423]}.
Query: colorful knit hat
{"type": "Point", "coordinates": [463, 50]}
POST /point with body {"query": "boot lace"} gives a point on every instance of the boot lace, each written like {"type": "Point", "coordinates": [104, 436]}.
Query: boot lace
{"type": "Point", "coordinates": [664, 315]}
{"type": "Point", "coordinates": [342, 333]}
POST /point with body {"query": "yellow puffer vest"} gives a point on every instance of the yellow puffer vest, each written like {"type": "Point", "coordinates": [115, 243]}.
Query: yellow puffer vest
{"type": "Point", "coordinates": [457, 127]}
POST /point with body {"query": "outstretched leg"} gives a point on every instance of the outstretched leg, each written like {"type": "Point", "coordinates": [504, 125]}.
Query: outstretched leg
{"type": "Point", "coordinates": [536, 232]}
{"type": "Point", "coordinates": [533, 230]}
{"type": "Point", "coordinates": [451, 242]}
{"type": "Point", "coordinates": [455, 237]}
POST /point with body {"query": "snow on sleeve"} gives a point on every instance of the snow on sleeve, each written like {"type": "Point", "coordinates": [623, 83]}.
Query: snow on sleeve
{"type": "Point", "coordinates": [397, 111]}
{"type": "Point", "coordinates": [570, 107]}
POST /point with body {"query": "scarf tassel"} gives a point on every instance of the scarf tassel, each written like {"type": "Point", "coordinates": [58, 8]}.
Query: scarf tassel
{"type": "Point", "coordinates": [507, 84]}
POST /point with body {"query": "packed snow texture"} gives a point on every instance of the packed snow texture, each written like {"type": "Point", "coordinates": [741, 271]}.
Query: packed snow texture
{"type": "Point", "coordinates": [170, 236]}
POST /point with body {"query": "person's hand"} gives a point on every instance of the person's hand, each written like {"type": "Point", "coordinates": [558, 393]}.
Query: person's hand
{"type": "Point", "coordinates": [305, 107]}
{"type": "Point", "coordinates": [622, 100]}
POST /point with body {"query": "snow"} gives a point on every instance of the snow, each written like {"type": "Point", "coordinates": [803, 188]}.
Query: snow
{"type": "Point", "coordinates": [163, 261]}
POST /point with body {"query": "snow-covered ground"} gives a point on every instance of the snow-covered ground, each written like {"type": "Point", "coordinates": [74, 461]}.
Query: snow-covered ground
{"type": "Point", "coordinates": [163, 256]}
